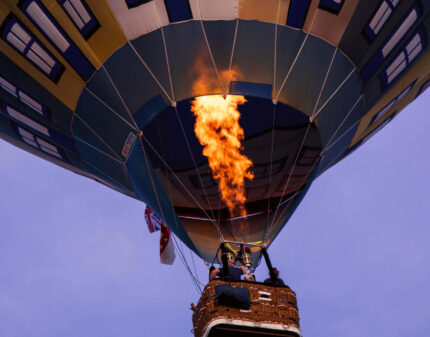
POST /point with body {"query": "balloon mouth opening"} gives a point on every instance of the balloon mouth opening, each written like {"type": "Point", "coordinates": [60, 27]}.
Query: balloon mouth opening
{"type": "Point", "coordinates": [283, 146]}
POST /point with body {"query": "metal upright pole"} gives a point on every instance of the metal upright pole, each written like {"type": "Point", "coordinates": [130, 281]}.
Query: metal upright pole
{"type": "Point", "coordinates": [269, 264]}
{"type": "Point", "coordinates": [224, 261]}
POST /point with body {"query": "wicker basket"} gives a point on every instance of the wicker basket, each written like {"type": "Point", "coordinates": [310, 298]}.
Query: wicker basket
{"type": "Point", "coordinates": [273, 312]}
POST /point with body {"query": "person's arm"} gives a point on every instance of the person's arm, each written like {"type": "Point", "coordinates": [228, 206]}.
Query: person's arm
{"type": "Point", "coordinates": [214, 274]}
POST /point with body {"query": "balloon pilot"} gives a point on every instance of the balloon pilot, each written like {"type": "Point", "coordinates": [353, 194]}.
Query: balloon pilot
{"type": "Point", "coordinates": [231, 273]}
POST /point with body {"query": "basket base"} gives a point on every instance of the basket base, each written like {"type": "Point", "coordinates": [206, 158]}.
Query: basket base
{"type": "Point", "coordinates": [272, 312]}
{"type": "Point", "coordinates": [239, 328]}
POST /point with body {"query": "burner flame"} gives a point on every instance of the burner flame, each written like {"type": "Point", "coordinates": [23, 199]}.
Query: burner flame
{"type": "Point", "coordinates": [218, 131]}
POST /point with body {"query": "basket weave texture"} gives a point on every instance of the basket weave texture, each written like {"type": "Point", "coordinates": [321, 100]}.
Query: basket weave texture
{"type": "Point", "coordinates": [279, 307]}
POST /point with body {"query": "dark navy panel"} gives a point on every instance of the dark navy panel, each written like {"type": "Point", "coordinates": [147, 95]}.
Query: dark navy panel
{"type": "Point", "coordinates": [354, 116]}
{"type": "Point", "coordinates": [112, 129]}
{"type": "Point", "coordinates": [165, 135]}
{"type": "Point", "coordinates": [259, 115]}
{"type": "Point", "coordinates": [81, 131]}
{"type": "Point", "coordinates": [62, 140]}
{"type": "Point", "coordinates": [136, 3]}
{"type": "Point", "coordinates": [134, 82]}
{"type": "Point", "coordinates": [251, 89]}
{"type": "Point", "coordinates": [150, 46]}
{"type": "Point", "coordinates": [371, 67]}
{"type": "Point", "coordinates": [220, 36]}
{"type": "Point", "coordinates": [149, 110]}
{"type": "Point", "coordinates": [104, 164]}
{"type": "Point", "coordinates": [78, 61]}
{"type": "Point", "coordinates": [104, 89]}
{"type": "Point", "coordinates": [333, 113]}
{"type": "Point", "coordinates": [288, 44]}
{"type": "Point", "coordinates": [144, 179]}
{"type": "Point", "coordinates": [331, 5]}
{"type": "Point", "coordinates": [337, 151]}
{"type": "Point", "coordinates": [304, 83]}
{"type": "Point", "coordinates": [6, 127]}
{"type": "Point", "coordinates": [76, 160]}
{"type": "Point", "coordinates": [339, 71]}
{"type": "Point", "coordinates": [106, 179]}
{"type": "Point", "coordinates": [178, 10]}
{"type": "Point", "coordinates": [253, 54]}
{"type": "Point", "coordinates": [297, 13]}
{"type": "Point", "coordinates": [190, 61]}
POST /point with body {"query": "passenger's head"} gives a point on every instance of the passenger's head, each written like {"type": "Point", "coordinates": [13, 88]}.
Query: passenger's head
{"type": "Point", "coordinates": [231, 258]}
{"type": "Point", "coordinates": [276, 272]}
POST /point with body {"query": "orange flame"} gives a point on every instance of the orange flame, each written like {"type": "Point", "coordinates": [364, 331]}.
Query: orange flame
{"type": "Point", "coordinates": [208, 82]}
{"type": "Point", "coordinates": [217, 129]}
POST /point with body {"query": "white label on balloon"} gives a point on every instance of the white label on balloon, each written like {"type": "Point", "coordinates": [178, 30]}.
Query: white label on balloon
{"type": "Point", "coordinates": [128, 144]}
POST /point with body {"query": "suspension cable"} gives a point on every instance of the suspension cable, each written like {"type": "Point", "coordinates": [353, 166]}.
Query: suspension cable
{"type": "Point", "coordinates": [194, 279]}
{"type": "Point", "coordinates": [164, 219]}
{"type": "Point", "coordinates": [231, 57]}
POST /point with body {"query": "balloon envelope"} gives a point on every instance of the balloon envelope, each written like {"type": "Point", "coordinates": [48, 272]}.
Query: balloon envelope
{"type": "Point", "coordinates": [105, 89]}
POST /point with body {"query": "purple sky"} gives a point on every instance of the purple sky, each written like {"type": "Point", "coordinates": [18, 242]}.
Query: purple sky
{"type": "Point", "coordinates": [76, 258]}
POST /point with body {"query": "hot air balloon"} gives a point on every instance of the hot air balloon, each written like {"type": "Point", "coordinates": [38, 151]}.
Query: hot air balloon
{"type": "Point", "coordinates": [113, 90]}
